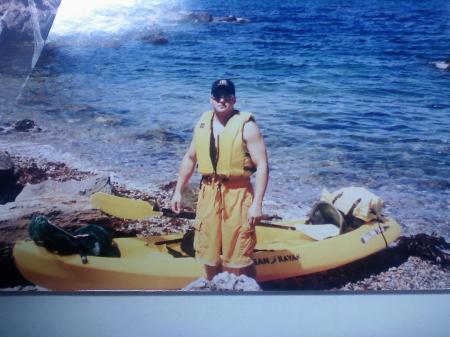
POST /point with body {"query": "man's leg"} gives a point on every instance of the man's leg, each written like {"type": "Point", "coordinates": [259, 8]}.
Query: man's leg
{"type": "Point", "coordinates": [239, 238]}
{"type": "Point", "coordinates": [207, 239]}
{"type": "Point", "coordinates": [212, 271]}
{"type": "Point", "coordinates": [249, 271]}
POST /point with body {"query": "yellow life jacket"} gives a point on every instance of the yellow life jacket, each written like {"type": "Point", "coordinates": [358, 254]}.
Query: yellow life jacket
{"type": "Point", "coordinates": [232, 159]}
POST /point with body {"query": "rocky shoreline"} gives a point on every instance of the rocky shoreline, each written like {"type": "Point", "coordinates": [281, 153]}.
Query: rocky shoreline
{"type": "Point", "coordinates": [418, 262]}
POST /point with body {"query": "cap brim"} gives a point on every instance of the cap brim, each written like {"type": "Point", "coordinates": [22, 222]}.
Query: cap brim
{"type": "Point", "coordinates": [222, 90]}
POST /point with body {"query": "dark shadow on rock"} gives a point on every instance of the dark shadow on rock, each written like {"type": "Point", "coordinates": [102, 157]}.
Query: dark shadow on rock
{"type": "Point", "coordinates": [427, 247]}
{"type": "Point", "coordinates": [10, 192]}
{"type": "Point", "coordinates": [9, 185]}
{"type": "Point", "coordinates": [11, 277]}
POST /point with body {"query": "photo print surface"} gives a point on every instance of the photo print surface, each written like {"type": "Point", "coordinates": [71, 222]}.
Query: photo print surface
{"type": "Point", "coordinates": [98, 112]}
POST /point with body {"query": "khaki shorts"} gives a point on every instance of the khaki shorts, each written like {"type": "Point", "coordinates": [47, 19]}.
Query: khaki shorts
{"type": "Point", "coordinates": [222, 232]}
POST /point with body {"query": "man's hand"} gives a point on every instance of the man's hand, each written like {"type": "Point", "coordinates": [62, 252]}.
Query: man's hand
{"type": "Point", "coordinates": [175, 203]}
{"type": "Point", "coordinates": [186, 169]}
{"type": "Point", "coordinates": [254, 214]}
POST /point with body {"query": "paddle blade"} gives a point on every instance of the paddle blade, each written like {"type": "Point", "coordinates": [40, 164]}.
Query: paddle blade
{"type": "Point", "coordinates": [123, 207]}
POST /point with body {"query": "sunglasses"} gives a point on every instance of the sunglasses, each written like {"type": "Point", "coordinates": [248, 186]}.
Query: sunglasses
{"type": "Point", "coordinates": [226, 97]}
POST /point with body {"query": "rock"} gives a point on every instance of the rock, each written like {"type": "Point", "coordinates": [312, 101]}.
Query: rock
{"type": "Point", "coordinates": [16, 22]}
{"type": "Point", "coordinates": [205, 17]}
{"type": "Point", "coordinates": [432, 248]}
{"type": "Point", "coordinates": [160, 135]}
{"type": "Point", "coordinates": [53, 197]}
{"type": "Point", "coordinates": [152, 34]}
{"type": "Point", "coordinates": [16, 19]}
{"type": "Point", "coordinates": [8, 179]}
{"type": "Point", "coordinates": [156, 39]}
{"type": "Point", "coordinates": [201, 17]}
{"type": "Point", "coordinates": [200, 284]}
{"type": "Point", "coordinates": [196, 17]}
{"type": "Point", "coordinates": [66, 204]}
{"type": "Point", "coordinates": [6, 164]}
{"type": "Point", "coordinates": [111, 121]}
{"type": "Point", "coordinates": [24, 125]}
{"type": "Point", "coordinates": [224, 282]}
{"type": "Point", "coordinates": [231, 19]}
{"type": "Point", "coordinates": [25, 288]}
{"type": "Point", "coordinates": [51, 189]}
{"type": "Point", "coordinates": [227, 281]}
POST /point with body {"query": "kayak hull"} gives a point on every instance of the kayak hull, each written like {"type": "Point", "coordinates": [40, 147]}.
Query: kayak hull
{"type": "Point", "coordinates": [146, 265]}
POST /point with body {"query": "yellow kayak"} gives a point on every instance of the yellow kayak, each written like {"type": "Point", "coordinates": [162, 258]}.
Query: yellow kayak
{"type": "Point", "coordinates": [147, 264]}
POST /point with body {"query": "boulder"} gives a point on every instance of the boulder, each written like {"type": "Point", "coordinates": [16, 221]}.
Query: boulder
{"type": "Point", "coordinates": [231, 19]}
{"type": "Point", "coordinates": [153, 34]}
{"type": "Point", "coordinates": [194, 17]}
{"type": "Point", "coordinates": [224, 282]}
{"type": "Point", "coordinates": [16, 23]}
{"type": "Point", "coordinates": [155, 38]}
{"type": "Point", "coordinates": [25, 125]}
{"type": "Point", "coordinates": [64, 203]}
{"type": "Point", "coordinates": [204, 17]}
{"type": "Point", "coordinates": [6, 165]}
{"type": "Point", "coordinates": [8, 179]}
{"type": "Point", "coordinates": [200, 17]}
{"type": "Point", "coordinates": [53, 197]}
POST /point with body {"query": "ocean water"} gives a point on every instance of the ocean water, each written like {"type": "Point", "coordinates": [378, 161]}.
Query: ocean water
{"type": "Point", "coordinates": [345, 93]}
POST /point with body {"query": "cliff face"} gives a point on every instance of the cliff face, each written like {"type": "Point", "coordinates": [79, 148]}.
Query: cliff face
{"type": "Point", "coordinates": [19, 19]}
{"type": "Point", "coordinates": [24, 26]}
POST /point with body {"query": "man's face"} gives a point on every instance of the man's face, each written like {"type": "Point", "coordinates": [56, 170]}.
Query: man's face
{"type": "Point", "coordinates": [223, 102]}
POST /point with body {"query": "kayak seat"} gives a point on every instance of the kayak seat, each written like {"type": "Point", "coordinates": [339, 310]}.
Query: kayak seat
{"type": "Point", "coordinates": [324, 212]}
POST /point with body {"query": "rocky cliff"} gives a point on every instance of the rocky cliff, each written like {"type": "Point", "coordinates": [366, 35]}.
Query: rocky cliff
{"type": "Point", "coordinates": [24, 26]}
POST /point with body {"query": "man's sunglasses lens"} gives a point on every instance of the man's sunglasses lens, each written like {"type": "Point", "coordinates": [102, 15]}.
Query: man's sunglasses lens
{"type": "Point", "coordinates": [225, 97]}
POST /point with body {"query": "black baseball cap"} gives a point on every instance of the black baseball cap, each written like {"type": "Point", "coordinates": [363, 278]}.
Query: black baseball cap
{"type": "Point", "coordinates": [223, 87]}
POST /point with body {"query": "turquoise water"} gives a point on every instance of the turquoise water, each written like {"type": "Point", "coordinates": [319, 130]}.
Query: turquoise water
{"type": "Point", "coordinates": [346, 93]}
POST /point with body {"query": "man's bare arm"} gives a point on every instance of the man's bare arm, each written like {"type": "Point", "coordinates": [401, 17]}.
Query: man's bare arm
{"type": "Point", "coordinates": [187, 168]}
{"type": "Point", "coordinates": [258, 153]}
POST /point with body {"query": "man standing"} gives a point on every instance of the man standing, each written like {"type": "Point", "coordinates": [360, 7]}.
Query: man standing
{"type": "Point", "coordinates": [228, 148]}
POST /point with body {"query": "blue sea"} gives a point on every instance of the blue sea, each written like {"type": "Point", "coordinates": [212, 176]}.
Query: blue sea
{"type": "Point", "coordinates": [346, 93]}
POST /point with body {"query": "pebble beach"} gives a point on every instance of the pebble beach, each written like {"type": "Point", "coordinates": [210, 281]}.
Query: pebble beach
{"type": "Point", "coordinates": [388, 270]}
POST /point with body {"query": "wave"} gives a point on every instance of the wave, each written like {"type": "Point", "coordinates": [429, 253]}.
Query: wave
{"type": "Point", "coordinates": [443, 65]}
{"type": "Point", "coordinates": [85, 17]}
